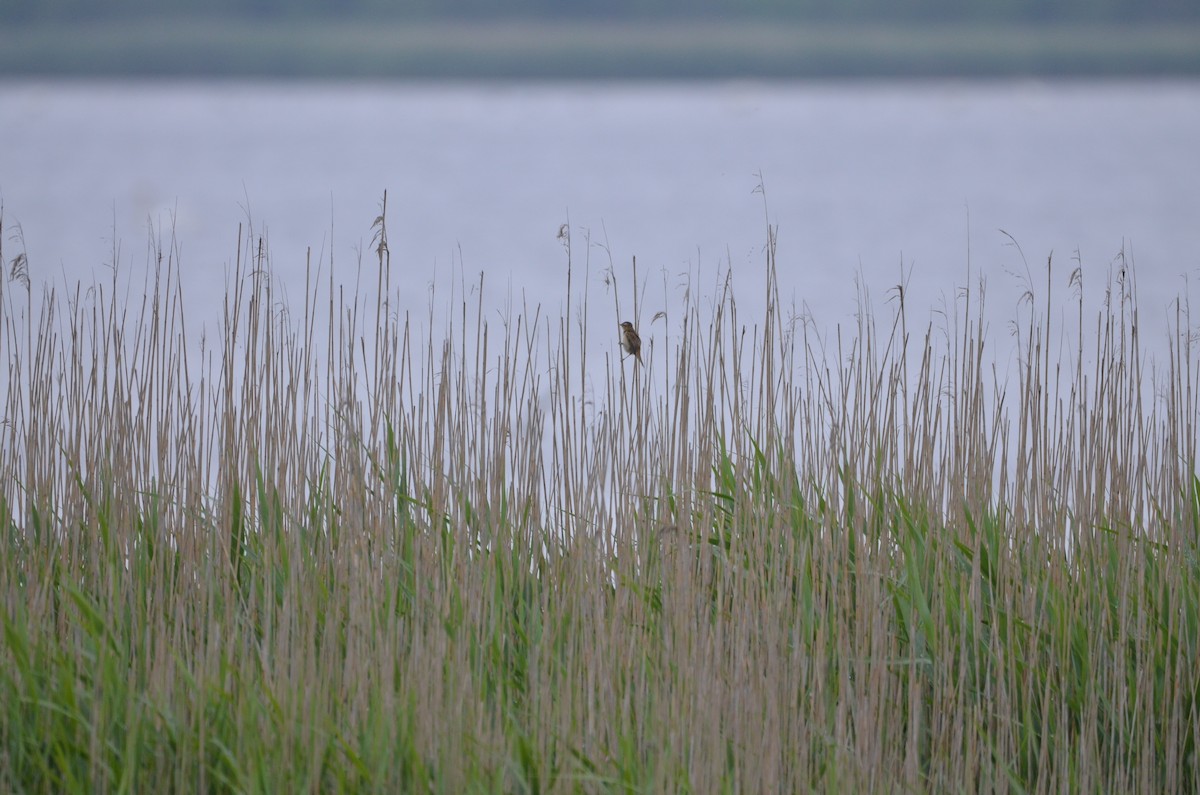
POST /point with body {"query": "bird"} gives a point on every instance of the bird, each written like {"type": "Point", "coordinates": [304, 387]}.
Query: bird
{"type": "Point", "coordinates": [630, 341]}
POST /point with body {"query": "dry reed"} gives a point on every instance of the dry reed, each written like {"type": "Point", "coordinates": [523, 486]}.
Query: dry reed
{"type": "Point", "coordinates": [330, 554]}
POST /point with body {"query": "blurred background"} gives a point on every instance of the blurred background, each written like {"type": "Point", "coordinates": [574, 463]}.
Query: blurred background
{"type": "Point", "coordinates": [587, 38]}
{"type": "Point", "coordinates": [933, 142]}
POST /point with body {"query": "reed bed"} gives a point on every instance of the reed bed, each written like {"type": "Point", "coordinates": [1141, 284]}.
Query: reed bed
{"type": "Point", "coordinates": [325, 552]}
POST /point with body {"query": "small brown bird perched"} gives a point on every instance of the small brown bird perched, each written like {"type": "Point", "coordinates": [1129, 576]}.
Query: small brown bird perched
{"type": "Point", "coordinates": [630, 341]}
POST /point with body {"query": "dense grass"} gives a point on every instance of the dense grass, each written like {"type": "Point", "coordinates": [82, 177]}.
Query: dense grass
{"type": "Point", "coordinates": [323, 552]}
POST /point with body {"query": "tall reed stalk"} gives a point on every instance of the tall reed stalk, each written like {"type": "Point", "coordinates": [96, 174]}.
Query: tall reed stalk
{"type": "Point", "coordinates": [328, 551]}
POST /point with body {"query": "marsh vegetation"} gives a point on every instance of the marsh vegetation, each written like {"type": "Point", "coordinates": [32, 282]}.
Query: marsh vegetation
{"type": "Point", "coordinates": [319, 550]}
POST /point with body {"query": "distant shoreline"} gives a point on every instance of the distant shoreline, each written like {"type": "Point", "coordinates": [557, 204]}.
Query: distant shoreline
{"type": "Point", "coordinates": [576, 50]}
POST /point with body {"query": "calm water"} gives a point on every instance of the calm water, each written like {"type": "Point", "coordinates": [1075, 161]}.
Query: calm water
{"type": "Point", "coordinates": [859, 178]}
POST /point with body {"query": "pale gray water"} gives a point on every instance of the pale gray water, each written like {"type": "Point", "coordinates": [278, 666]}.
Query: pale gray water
{"type": "Point", "coordinates": [859, 176]}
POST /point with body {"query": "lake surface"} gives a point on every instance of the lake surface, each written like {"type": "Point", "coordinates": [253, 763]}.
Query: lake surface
{"type": "Point", "coordinates": [864, 178]}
